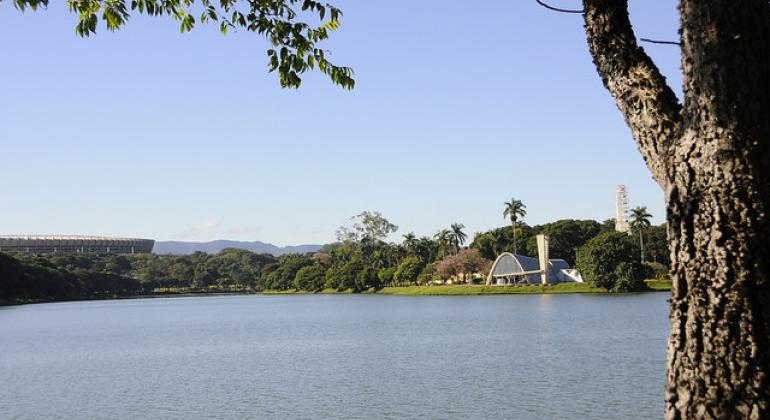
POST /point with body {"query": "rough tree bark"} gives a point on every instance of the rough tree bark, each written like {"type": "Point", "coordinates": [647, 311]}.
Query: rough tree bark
{"type": "Point", "coordinates": [712, 159]}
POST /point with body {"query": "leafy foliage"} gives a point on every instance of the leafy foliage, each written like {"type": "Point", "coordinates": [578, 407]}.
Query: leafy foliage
{"type": "Point", "coordinates": [566, 237]}
{"type": "Point", "coordinates": [458, 237]}
{"type": "Point", "coordinates": [368, 226]}
{"type": "Point", "coordinates": [311, 277]}
{"type": "Point", "coordinates": [407, 271]}
{"type": "Point", "coordinates": [460, 266]}
{"type": "Point", "coordinates": [358, 264]}
{"type": "Point", "coordinates": [610, 262]}
{"type": "Point", "coordinates": [514, 210]}
{"type": "Point", "coordinates": [656, 244]}
{"type": "Point", "coordinates": [294, 41]}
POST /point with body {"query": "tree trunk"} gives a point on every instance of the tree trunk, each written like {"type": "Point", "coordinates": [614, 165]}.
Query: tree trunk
{"type": "Point", "coordinates": [513, 222]}
{"type": "Point", "coordinates": [712, 158]}
{"type": "Point", "coordinates": [641, 246]}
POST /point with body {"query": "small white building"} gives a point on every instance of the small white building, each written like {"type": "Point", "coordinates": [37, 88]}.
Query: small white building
{"type": "Point", "coordinates": [511, 269]}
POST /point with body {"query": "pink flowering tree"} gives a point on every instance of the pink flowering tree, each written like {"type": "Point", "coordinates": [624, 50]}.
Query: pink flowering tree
{"type": "Point", "coordinates": [463, 265]}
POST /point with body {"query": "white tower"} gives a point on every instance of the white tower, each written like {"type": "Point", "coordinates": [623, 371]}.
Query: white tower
{"type": "Point", "coordinates": [542, 254]}
{"type": "Point", "coordinates": [621, 209]}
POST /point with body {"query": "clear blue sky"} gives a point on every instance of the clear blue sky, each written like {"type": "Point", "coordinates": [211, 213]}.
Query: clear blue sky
{"type": "Point", "coordinates": [147, 132]}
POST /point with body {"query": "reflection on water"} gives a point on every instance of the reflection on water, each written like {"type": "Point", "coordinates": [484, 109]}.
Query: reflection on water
{"type": "Point", "coordinates": [326, 356]}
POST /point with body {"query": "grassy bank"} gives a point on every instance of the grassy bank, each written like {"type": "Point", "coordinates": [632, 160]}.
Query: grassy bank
{"type": "Point", "coordinates": [659, 285]}
{"type": "Point", "coordinates": [449, 290]}
{"type": "Point", "coordinates": [306, 292]}
{"type": "Point", "coordinates": [654, 285]}
{"type": "Point", "coordinates": [463, 290]}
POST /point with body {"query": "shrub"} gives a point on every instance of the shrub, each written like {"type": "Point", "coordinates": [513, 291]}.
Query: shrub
{"type": "Point", "coordinates": [655, 270]}
{"type": "Point", "coordinates": [467, 263]}
{"type": "Point", "coordinates": [343, 277]}
{"type": "Point", "coordinates": [408, 270]}
{"type": "Point", "coordinates": [629, 277]}
{"type": "Point", "coordinates": [310, 278]}
{"type": "Point", "coordinates": [448, 268]}
{"type": "Point", "coordinates": [386, 275]}
{"type": "Point", "coordinates": [367, 279]}
{"type": "Point", "coordinates": [426, 275]}
{"type": "Point", "coordinates": [611, 262]}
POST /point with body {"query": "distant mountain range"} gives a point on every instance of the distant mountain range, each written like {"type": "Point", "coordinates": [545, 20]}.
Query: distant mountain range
{"type": "Point", "coordinates": [214, 247]}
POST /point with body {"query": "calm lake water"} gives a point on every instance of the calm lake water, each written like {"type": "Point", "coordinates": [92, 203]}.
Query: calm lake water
{"type": "Point", "coordinates": [336, 356]}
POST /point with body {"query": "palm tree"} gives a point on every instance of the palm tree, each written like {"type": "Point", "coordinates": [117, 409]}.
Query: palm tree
{"type": "Point", "coordinates": [514, 210]}
{"type": "Point", "coordinates": [378, 258]}
{"type": "Point", "coordinates": [458, 236]}
{"type": "Point", "coordinates": [497, 240]}
{"type": "Point", "coordinates": [426, 249]}
{"type": "Point", "coordinates": [444, 239]}
{"type": "Point", "coordinates": [410, 241]}
{"type": "Point", "coordinates": [640, 221]}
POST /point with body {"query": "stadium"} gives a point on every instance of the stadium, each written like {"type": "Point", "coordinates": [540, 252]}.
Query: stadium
{"type": "Point", "coordinates": [74, 244]}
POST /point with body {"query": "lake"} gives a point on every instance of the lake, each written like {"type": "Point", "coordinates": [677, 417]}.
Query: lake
{"type": "Point", "coordinates": [337, 356]}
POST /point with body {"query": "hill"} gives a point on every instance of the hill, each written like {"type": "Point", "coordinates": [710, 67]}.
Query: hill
{"type": "Point", "coordinates": [214, 247]}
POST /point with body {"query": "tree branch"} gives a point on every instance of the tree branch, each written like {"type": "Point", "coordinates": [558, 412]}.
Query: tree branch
{"type": "Point", "coordinates": [557, 9]}
{"type": "Point", "coordinates": [651, 109]}
{"type": "Point", "coordinates": [656, 41]}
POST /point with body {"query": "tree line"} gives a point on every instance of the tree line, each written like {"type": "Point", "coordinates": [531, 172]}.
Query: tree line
{"type": "Point", "coordinates": [360, 260]}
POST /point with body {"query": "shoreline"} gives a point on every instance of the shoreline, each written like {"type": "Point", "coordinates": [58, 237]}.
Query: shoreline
{"type": "Point", "coordinates": [438, 290]}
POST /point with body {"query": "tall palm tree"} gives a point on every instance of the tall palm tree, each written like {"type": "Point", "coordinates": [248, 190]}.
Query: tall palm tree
{"type": "Point", "coordinates": [514, 210]}
{"type": "Point", "coordinates": [458, 236]}
{"type": "Point", "coordinates": [640, 221]}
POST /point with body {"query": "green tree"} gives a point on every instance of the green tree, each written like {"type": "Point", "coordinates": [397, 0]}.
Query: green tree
{"type": "Point", "coordinates": [427, 249]}
{"type": "Point", "coordinates": [118, 264]}
{"type": "Point", "coordinates": [281, 277]}
{"type": "Point", "coordinates": [565, 237]}
{"type": "Point", "coordinates": [407, 271]}
{"type": "Point", "coordinates": [443, 240]}
{"type": "Point", "coordinates": [514, 210]}
{"type": "Point", "coordinates": [640, 222]}
{"type": "Point", "coordinates": [485, 243]}
{"type": "Point", "coordinates": [368, 226]}
{"type": "Point", "coordinates": [367, 279]}
{"type": "Point", "coordinates": [386, 275]}
{"type": "Point", "coordinates": [458, 236]}
{"type": "Point", "coordinates": [182, 272]}
{"type": "Point", "coordinates": [311, 277]}
{"type": "Point", "coordinates": [410, 242]}
{"type": "Point", "coordinates": [629, 277]}
{"type": "Point", "coordinates": [348, 274]}
{"type": "Point", "coordinates": [426, 274]}
{"type": "Point", "coordinates": [498, 241]}
{"type": "Point", "coordinates": [609, 258]}
{"type": "Point", "coordinates": [608, 225]}
{"type": "Point", "coordinates": [656, 244]}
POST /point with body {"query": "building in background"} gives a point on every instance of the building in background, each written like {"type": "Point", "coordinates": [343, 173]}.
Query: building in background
{"type": "Point", "coordinates": [621, 209]}
{"type": "Point", "coordinates": [40, 244]}
{"type": "Point", "coordinates": [510, 269]}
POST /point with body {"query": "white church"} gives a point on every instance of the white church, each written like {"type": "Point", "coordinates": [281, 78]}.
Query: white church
{"type": "Point", "coordinates": [510, 269]}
